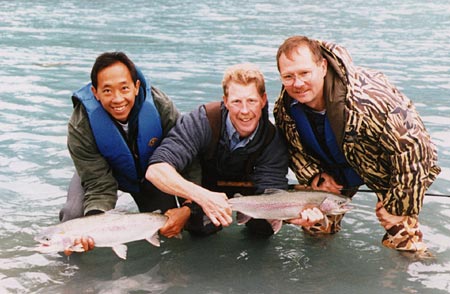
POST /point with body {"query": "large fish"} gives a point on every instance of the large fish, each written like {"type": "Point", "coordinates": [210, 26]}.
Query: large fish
{"type": "Point", "coordinates": [110, 229]}
{"type": "Point", "coordinates": [278, 205]}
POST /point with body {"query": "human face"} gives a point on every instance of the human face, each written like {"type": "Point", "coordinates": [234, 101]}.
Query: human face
{"type": "Point", "coordinates": [303, 78]}
{"type": "Point", "coordinates": [116, 91]}
{"type": "Point", "coordinates": [244, 106]}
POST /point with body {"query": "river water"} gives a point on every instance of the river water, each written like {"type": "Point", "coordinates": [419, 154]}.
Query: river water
{"type": "Point", "coordinates": [46, 51]}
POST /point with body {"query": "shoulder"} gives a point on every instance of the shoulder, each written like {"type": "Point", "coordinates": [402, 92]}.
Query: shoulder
{"type": "Point", "coordinates": [79, 116]}
{"type": "Point", "coordinates": [160, 99]}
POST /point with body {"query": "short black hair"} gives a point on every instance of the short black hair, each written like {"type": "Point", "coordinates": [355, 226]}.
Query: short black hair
{"type": "Point", "coordinates": [109, 58]}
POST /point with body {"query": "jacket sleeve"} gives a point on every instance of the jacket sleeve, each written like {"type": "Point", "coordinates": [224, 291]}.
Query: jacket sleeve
{"type": "Point", "coordinates": [272, 166]}
{"type": "Point", "coordinates": [96, 176]}
{"type": "Point", "coordinates": [189, 137]}
{"type": "Point", "coordinates": [413, 157]}
{"type": "Point", "coordinates": [167, 111]}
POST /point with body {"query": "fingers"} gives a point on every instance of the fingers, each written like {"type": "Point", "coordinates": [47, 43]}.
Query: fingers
{"type": "Point", "coordinates": [177, 218]}
{"type": "Point", "coordinates": [308, 217]}
{"type": "Point", "coordinates": [220, 217]}
{"type": "Point", "coordinates": [86, 242]}
{"type": "Point", "coordinates": [386, 219]}
{"type": "Point", "coordinates": [312, 215]}
{"type": "Point", "coordinates": [326, 182]}
{"type": "Point", "coordinates": [219, 210]}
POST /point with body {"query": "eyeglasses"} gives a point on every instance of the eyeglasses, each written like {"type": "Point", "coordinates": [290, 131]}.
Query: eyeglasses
{"type": "Point", "coordinates": [289, 79]}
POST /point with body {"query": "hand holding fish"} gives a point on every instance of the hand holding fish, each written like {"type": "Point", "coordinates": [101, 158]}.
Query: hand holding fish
{"type": "Point", "coordinates": [325, 182]}
{"type": "Point", "coordinates": [216, 207]}
{"type": "Point", "coordinates": [386, 219]}
{"type": "Point", "coordinates": [87, 243]}
{"type": "Point", "coordinates": [177, 218]}
{"type": "Point", "coordinates": [309, 216]}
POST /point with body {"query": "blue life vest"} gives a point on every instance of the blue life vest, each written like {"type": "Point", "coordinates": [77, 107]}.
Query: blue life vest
{"type": "Point", "coordinates": [334, 160]}
{"type": "Point", "coordinates": [111, 143]}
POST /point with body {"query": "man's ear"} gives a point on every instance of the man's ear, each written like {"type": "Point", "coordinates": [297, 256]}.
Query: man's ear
{"type": "Point", "coordinates": [94, 91]}
{"type": "Point", "coordinates": [324, 67]}
{"type": "Point", "coordinates": [264, 99]}
{"type": "Point", "coordinates": [225, 100]}
{"type": "Point", "coordinates": [138, 85]}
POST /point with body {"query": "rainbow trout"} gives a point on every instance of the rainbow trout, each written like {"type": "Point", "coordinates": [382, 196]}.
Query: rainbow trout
{"type": "Point", "coordinates": [110, 229]}
{"type": "Point", "coordinates": [278, 205]}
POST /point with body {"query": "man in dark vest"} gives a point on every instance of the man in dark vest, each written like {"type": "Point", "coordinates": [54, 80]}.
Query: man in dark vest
{"type": "Point", "coordinates": [118, 121]}
{"type": "Point", "coordinates": [239, 150]}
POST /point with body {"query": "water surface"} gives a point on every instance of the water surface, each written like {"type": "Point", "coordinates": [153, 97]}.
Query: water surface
{"type": "Point", "coordinates": [46, 52]}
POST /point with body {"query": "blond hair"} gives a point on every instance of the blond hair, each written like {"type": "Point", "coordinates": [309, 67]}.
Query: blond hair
{"type": "Point", "coordinates": [244, 73]}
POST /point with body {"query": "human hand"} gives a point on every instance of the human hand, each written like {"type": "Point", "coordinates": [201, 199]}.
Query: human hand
{"type": "Point", "coordinates": [308, 216]}
{"type": "Point", "coordinates": [87, 243]}
{"type": "Point", "coordinates": [217, 208]}
{"type": "Point", "coordinates": [386, 219]}
{"type": "Point", "coordinates": [325, 182]}
{"type": "Point", "coordinates": [177, 218]}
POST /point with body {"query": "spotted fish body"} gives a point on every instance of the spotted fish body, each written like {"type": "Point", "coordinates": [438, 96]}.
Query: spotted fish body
{"type": "Point", "coordinates": [283, 205]}
{"type": "Point", "coordinates": [111, 229]}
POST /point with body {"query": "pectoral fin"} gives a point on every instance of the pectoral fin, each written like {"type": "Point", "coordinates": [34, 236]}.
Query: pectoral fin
{"type": "Point", "coordinates": [276, 225]}
{"type": "Point", "coordinates": [242, 218]}
{"type": "Point", "coordinates": [120, 250]}
{"type": "Point", "coordinates": [154, 240]}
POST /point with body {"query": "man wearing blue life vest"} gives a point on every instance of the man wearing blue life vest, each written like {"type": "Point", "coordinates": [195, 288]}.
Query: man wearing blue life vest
{"type": "Point", "coordinates": [118, 121]}
{"type": "Point", "coordinates": [347, 126]}
{"type": "Point", "coordinates": [239, 149]}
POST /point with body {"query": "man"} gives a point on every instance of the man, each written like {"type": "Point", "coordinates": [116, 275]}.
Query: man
{"type": "Point", "coordinates": [116, 124]}
{"type": "Point", "coordinates": [347, 126]}
{"type": "Point", "coordinates": [239, 150]}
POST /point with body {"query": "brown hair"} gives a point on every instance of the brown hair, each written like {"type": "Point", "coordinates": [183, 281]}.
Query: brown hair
{"type": "Point", "coordinates": [244, 73]}
{"type": "Point", "coordinates": [292, 43]}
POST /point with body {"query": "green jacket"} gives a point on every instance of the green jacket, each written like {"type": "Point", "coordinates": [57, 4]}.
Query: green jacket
{"type": "Point", "coordinates": [95, 173]}
{"type": "Point", "coordinates": [378, 130]}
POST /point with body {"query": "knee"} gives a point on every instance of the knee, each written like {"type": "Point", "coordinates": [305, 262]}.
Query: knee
{"type": "Point", "coordinates": [259, 227]}
{"type": "Point", "coordinates": [67, 214]}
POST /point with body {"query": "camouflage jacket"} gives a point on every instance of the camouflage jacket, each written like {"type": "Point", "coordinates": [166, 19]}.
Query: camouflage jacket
{"type": "Point", "coordinates": [378, 130]}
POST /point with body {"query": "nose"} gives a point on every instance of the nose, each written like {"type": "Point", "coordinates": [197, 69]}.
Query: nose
{"type": "Point", "coordinates": [244, 108]}
{"type": "Point", "coordinates": [117, 97]}
{"type": "Point", "coordinates": [298, 82]}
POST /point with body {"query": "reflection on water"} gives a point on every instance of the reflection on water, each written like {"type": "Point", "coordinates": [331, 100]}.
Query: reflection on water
{"type": "Point", "coordinates": [47, 50]}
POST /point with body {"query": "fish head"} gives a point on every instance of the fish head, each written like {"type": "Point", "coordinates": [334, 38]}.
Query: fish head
{"type": "Point", "coordinates": [335, 204]}
{"type": "Point", "coordinates": [53, 239]}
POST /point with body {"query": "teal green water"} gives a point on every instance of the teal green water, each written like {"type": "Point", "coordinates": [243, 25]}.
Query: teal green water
{"type": "Point", "coordinates": [46, 51]}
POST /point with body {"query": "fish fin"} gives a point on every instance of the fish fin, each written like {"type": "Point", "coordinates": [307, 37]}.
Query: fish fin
{"type": "Point", "coordinates": [179, 236]}
{"type": "Point", "coordinates": [154, 240]}
{"type": "Point", "coordinates": [276, 225]}
{"type": "Point", "coordinates": [157, 211]}
{"type": "Point", "coordinates": [242, 218]}
{"type": "Point", "coordinates": [273, 191]}
{"type": "Point", "coordinates": [237, 195]}
{"type": "Point", "coordinates": [120, 250]}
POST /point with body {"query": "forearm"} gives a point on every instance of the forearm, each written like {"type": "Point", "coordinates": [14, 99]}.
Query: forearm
{"type": "Point", "coordinates": [167, 179]}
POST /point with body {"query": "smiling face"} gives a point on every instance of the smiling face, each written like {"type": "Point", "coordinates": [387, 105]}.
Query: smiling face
{"type": "Point", "coordinates": [244, 104]}
{"type": "Point", "coordinates": [116, 90]}
{"type": "Point", "coordinates": [304, 77]}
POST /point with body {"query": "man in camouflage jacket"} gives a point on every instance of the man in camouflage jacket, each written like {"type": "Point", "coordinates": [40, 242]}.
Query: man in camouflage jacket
{"type": "Point", "coordinates": [373, 127]}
